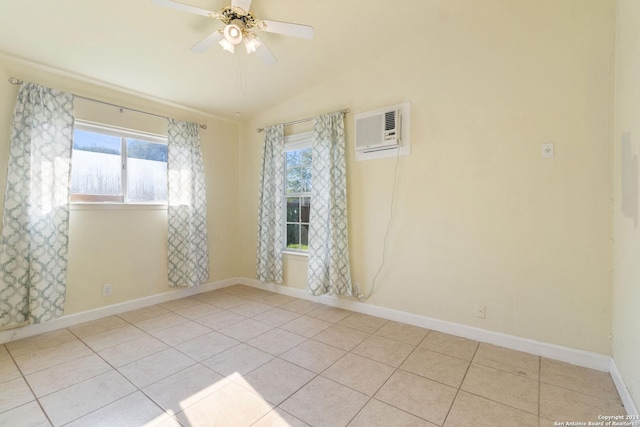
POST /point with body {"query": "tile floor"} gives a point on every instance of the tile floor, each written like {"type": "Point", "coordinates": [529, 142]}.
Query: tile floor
{"type": "Point", "coordinates": [240, 356]}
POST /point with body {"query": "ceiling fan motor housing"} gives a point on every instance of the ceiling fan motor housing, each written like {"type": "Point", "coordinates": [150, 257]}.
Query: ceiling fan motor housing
{"type": "Point", "coordinates": [230, 14]}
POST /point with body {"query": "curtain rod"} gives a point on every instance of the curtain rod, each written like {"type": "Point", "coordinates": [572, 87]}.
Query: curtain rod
{"type": "Point", "coordinates": [18, 82]}
{"type": "Point", "coordinates": [295, 122]}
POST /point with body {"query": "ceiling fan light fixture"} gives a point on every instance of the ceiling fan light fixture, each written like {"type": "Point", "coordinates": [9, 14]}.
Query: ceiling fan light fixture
{"type": "Point", "coordinates": [251, 42]}
{"type": "Point", "coordinates": [238, 21]}
{"type": "Point", "coordinates": [233, 32]}
{"type": "Point", "coordinates": [229, 47]}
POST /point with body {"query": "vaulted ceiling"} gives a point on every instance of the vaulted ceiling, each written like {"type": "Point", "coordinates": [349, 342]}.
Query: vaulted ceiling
{"type": "Point", "coordinates": [141, 47]}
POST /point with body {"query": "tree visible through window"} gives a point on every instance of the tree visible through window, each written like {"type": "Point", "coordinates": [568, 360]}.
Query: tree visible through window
{"type": "Point", "coordinates": [107, 167]}
{"type": "Point", "coordinates": [298, 197]}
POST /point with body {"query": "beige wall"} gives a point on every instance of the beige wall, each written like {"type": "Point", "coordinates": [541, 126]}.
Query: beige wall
{"type": "Point", "coordinates": [626, 315]}
{"type": "Point", "coordinates": [479, 216]}
{"type": "Point", "coordinates": [123, 246]}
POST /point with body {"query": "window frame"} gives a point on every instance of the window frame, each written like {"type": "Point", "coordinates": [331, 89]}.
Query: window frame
{"type": "Point", "coordinates": [124, 134]}
{"type": "Point", "coordinates": [294, 142]}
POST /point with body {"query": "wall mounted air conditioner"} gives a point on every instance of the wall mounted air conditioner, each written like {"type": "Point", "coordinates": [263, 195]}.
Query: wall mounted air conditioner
{"type": "Point", "coordinates": [383, 132]}
{"type": "Point", "coordinates": [378, 131]}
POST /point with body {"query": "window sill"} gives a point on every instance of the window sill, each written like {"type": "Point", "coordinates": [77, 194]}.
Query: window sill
{"type": "Point", "coordinates": [86, 206]}
{"type": "Point", "coordinates": [304, 254]}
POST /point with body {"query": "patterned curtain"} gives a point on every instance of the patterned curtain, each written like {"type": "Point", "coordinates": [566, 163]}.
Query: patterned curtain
{"type": "Point", "coordinates": [35, 220]}
{"type": "Point", "coordinates": [270, 207]}
{"type": "Point", "coordinates": [328, 271]}
{"type": "Point", "coordinates": [187, 207]}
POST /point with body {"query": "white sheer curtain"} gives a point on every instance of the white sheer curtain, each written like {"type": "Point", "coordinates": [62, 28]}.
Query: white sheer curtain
{"type": "Point", "coordinates": [35, 220]}
{"type": "Point", "coordinates": [328, 270]}
{"type": "Point", "coordinates": [187, 207]}
{"type": "Point", "coordinates": [270, 207]}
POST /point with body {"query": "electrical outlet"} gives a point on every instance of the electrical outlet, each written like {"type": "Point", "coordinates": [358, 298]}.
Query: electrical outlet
{"type": "Point", "coordinates": [106, 290]}
{"type": "Point", "coordinates": [480, 311]}
{"type": "Point", "coordinates": [547, 150]}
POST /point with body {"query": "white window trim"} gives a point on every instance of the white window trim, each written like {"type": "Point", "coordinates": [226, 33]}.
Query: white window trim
{"type": "Point", "coordinates": [297, 141]}
{"type": "Point", "coordinates": [298, 252]}
{"type": "Point", "coordinates": [294, 142]}
{"type": "Point", "coordinates": [120, 132]}
{"type": "Point", "coordinates": [97, 206]}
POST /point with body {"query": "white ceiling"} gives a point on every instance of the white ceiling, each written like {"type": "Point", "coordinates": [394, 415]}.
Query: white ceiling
{"type": "Point", "coordinates": [142, 47]}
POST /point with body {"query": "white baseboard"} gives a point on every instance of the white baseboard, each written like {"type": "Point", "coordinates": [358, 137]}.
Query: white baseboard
{"type": "Point", "coordinates": [576, 357]}
{"type": "Point", "coordinates": [98, 313]}
{"type": "Point", "coordinates": [582, 358]}
{"type": "Point", "coordinates": [586, 359]}
{"type": "Point", "coordinates": [565, 354]}
{"type": "Point", "coordinates": [625, 396]}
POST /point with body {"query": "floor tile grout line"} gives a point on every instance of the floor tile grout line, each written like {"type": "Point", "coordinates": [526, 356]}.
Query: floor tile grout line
{"type": "Point", "coordinates": [500, 403]}
{"type": "Point", "coordinates": [539, 380]}
{"type": "Point", "coordinates": [493, 400]}
{"type": "Point", "coordinates": [24, 376]}
{"type": "Point", "coordinates": [504, 370]}
{"type": "Point", "coordinates": [141, 390]}
{"type": "Point", "coordinates": [618, 402]}
{"type": "Point", "coordinates": [372, 396]}
{"type": "Point", "coordinates": [196, 362]}
{"type": "Point", "coordinates": [369, 398]}
{"type": "Point", "coordinates": [320, 374]}
{"type": "Point", "coordinates": [369, 334]}
{"type": "Point", "coordinates": [286, 398]}
{"type": "Point", "coordinates": [97, 409]}
{"type": "Point", "coordinates": [125, 342]}
{"type": "Point", "coordinates": [47, 349]}
{"type": "Point", "coordinates": [115, 369]}
{"type": "Point", "coordinates": [447, 354]}
{"type": "Point", "coordinates": [24, 379]}
{"type": "Point", "coordinates": [148, 318]}
{"type": "Point", "coordinates": [68, 386]}
{"type": "Point", "coordinates": [71, 385]}
{"type": "Point", "coordinates": [415, 347]}
{"type": "Point", "coordinates": [112, 330]}
{"type": "Point", "coordinates": [133, 384]}
{"type": "Point", "coordinates": [274, 408]}
{"type": "Point", "coordinates": [539, 391]}
{"type": "Point", "coordinates": [539, 383]}
{"type": "Point", "coordinates": [27, 403]}
{"type": "Point", "coordinates": [341, 385]}
{"type": "Point", "coordinates": [234, 346]}
{"type": "Point", "coordinates": [316, 374]}
{"type": "Point", "coordinates": [234, 382]}
{"type": "Point", "coordinates": [280, 354]}
{"type": "Point", "coordinates": [460, 386]}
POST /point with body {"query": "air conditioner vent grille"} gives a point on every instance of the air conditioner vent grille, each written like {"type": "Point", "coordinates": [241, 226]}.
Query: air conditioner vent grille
{"type": "Point", "coordinates": [389, 120]}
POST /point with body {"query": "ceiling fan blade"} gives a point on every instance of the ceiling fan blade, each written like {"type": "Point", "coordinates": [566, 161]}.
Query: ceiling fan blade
{"type": "Point", "coordinates": [207, 42]}
{"type": "Point", "coordinates": [183, 7]}
{"type": "Point", "coordinates": [244, 4]}
{"type": "Point", "coordinates": [265, 54]}
{"type": "Point", "coordinates": [288, 29]}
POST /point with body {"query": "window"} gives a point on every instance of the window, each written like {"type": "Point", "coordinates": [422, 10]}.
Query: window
{"type": "Point", "coordinates": [297, 191]}
{"type": "Point", "coordinates": [116, 165]}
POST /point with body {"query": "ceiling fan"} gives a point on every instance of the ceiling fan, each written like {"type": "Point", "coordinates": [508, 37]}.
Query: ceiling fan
{"type": "Point", "coordinates": [238, 25]}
